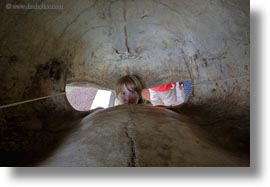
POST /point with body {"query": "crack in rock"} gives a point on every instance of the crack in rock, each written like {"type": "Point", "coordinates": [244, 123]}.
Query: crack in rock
{"type": "Point", "coordinates": [125, 26]}
{"type": "Point", "coordinates": [133, 152]}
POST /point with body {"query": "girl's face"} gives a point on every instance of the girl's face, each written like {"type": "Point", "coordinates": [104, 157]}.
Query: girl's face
{"type": "Point", "coordinates": [128, 96]}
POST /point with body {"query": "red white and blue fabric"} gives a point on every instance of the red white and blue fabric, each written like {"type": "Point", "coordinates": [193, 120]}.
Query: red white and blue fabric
{"type": "Point", "coordinates": [164, 87]}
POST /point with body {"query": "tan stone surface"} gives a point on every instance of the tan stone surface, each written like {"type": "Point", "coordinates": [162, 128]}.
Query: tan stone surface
{"type": "Point", "coordinates": [139, 135]}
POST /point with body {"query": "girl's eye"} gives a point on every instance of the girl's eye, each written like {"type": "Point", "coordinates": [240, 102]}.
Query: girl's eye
{"type": "Point", "coordinates": [123, 93]}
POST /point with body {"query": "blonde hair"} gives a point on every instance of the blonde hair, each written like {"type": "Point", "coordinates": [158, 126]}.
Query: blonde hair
{"type": "Point", "coordinates": [132, 82]}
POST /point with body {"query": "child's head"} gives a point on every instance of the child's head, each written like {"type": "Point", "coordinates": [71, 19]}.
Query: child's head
{"type": "Point", "coordinates": [129, 89]}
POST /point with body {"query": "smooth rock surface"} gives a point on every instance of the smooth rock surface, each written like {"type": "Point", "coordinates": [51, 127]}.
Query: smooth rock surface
{"type": "Point", "coordinates": [139, 135]}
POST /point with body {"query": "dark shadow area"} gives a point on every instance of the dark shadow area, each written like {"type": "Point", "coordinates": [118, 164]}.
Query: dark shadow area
{"type": "Point", "coordinates": [231, 131]}
{"type": "Point", "coordinates": [26, 147]}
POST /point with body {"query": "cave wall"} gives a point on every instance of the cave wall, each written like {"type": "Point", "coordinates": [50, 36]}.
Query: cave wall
{"type": "Point", "coordinates": [98, 41]}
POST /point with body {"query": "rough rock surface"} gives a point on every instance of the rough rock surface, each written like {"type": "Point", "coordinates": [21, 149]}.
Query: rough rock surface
{"type": "Point", "coordinates": [95, 42]}
{"type": "Point", "coordinates": [139, 135]}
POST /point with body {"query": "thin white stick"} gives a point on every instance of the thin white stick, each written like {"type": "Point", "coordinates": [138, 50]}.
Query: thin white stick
{"type": "Point", "coordinates": [30, 100]}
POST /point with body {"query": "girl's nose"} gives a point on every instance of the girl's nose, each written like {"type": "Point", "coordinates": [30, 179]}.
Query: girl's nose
{"type": "Point", "coordinates": [127, 98]}
{"type": "Point", "coordinates": [131, 99]}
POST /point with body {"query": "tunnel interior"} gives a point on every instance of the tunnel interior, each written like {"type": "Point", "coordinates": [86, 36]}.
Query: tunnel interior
{"type": "Point", "coordinates": [96, 42]}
